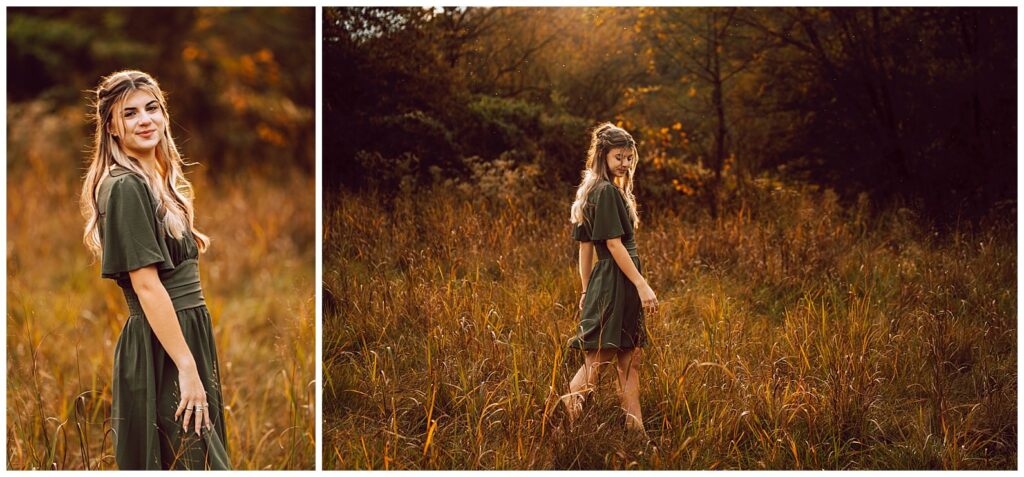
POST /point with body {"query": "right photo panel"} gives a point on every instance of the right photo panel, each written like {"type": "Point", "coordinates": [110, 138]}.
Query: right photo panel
{"type": "Point", "coordinates": [669, 238]}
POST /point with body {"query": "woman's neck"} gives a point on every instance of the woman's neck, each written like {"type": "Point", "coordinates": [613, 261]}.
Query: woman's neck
{"type": "Point", "coordinates": [146, 160]}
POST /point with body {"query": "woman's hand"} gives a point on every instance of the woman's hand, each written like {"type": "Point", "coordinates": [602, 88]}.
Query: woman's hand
{"type": "Point", "coordinates": [193, 400]}
{"type": "Point", "coordinates": [583, 298]}
{"type": "Point", "coordinates": [647, 297]}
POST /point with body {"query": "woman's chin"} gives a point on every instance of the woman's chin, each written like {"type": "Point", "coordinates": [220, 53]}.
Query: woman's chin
{"type": "Point", "coordinates": [141, 150]}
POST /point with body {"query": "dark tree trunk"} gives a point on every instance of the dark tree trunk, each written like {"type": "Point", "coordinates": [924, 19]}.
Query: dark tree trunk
{"type": "Point", "coordinates": [720, 147]}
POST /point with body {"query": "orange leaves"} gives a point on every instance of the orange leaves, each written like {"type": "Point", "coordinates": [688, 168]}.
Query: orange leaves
{"type": "Point", "coordinates": [729, 163]}
{"type": "Point", "coordinates": [669, 137]}
{"type": "Point", "coordinates": [237, 100]}
{"type": "Point", "coordinates": [658, 161]}
{"type": "Point", "coordinates": [265, 56]}
{"type": "Point", "coordinates": [258, 67]}
{"type": "Point", "coordinates": [269, 134]}
{"type": "Point", "coordinates": [193, 53]}
{"type": "Point", "coordinates": [683, 188]}
{"type": "Point", "coordinates": [247, 66]}
{"type": "Point", "coordinates": [625, 124]}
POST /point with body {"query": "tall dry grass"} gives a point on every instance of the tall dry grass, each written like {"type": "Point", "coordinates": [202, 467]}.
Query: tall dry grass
{"type": "Point", "coordinates": [793, 333]}
{"type": "Point", "coordinates": [63, 319]}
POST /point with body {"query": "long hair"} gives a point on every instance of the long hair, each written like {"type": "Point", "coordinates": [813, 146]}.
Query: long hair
{"type": "Point", "coordinates": [604, 138]}
{"type": "Point", "coordinates": [172, 190]}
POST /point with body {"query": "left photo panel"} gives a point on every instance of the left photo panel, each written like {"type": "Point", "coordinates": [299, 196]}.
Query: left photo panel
{"type": "Point", "coordinates": [161, 235]}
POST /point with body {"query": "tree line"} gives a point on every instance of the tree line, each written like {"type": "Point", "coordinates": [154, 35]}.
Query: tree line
{"type": "Point", "coordinates": [911, 106]}
{"type": "Point", "coordinates": [239, 81]}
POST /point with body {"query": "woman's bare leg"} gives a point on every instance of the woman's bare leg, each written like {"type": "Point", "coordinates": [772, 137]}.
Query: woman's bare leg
{"type": "Point", "coordinates": [585, 380]}
{"type": "Point", "coordinates": [628, 367]}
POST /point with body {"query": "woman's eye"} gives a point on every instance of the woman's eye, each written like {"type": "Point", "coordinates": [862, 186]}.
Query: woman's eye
{"type": "Point", "coordinates": [152, 108]}
{"type": "Point", "coordinates": [129, 114]}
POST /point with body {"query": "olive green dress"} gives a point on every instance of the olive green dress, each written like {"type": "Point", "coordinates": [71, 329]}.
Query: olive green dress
{"type": "Point", "coordinates": [145, 388]}
{"type": "Point", "coordinates": [612, 316]}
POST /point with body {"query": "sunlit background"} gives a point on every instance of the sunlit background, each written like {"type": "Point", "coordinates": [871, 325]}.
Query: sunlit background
{"type": "Point", "coordinates": [240, 90]}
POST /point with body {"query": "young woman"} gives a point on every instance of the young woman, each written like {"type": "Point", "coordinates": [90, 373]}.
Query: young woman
{"type": "Point", "coordinates": [167, 410]}
{"type": "Point", "coordinates": [615, 293]}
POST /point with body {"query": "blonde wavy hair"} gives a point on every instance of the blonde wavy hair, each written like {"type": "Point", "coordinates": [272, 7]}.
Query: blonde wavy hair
{"type": "Point", "coordinates": [172, 190]}
{"type": "Point", "coordinates": [604, 138]}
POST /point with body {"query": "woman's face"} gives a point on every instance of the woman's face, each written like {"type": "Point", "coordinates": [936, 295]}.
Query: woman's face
{"type": "Point", "coordinates": [620, 160]}
{"type": "Point", "coordinates": [143, 122]}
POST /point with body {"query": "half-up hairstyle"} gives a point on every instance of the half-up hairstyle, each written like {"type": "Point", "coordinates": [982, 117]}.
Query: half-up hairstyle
{"type": "Point", "coordinates": [172, 190]}
{"type": "Point", "coordinates": [604, 138]}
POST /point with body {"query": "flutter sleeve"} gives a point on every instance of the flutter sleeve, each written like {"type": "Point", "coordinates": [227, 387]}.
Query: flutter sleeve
{"type": "Point", "coordinates": [580, 232]}
{"type": "Point", "coordinates": [131, 235]}
{"type": "Point", "coordinates": [610, 215]}
{"type": "Point", "coordinates": [605, 217]}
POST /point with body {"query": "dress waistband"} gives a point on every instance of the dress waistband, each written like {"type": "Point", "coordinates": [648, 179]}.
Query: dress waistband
{"type": "Point", "coordinates": [604, 254]}
{"type": "Point", "coordinates": [182, 284]}
{"type": "Point", "coordinates": [607, 255]}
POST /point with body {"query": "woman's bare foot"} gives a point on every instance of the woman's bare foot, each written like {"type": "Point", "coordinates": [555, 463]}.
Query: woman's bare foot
{"type": "Point", "coordinates": [634, 425]}
{"type": "Point", "coordinates": [573, 406]}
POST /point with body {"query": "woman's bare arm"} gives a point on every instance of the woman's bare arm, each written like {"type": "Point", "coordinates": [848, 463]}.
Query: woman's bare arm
{"type": "Point", "coordinates": [625, 263]}
{"type": "Point", "coordinates": [156, 303]}
{"type": "Point", "coordinates": [586, 266]}
{"type": "Point", "coordinates": [586, 262]}
{"type": "Point", "coordinates": [159, 310]}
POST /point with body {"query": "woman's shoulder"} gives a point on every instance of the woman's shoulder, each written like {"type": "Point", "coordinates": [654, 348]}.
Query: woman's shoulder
{"type": "Point", "coordinates": [600, 186]}
{"type": "Point", "coordinates": [121, 181]}
{"type": "Point", "coordinates": [603, 187]}
{"type": "Point", "coordinates": [122, 177]}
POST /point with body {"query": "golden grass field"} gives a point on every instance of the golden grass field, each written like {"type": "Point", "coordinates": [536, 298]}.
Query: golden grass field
{"type": "Point", "coordinates": [793, 333]}
{"type": "Point", "coordinates": [63, 319]}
